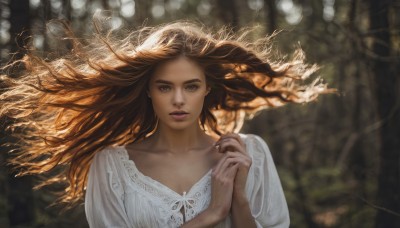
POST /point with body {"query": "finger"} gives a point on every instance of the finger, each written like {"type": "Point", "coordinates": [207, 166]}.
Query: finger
{"type": "Point", "coordinates": [226, 142]}
{"type": "Point", "coordinates": [222, 161]}
{"type": "Point", "coordinates": [244, 160]}
{"type": "Point", "coordinates": [228, 163]}
{"type": "Point", "coordinates": [231, 144]}
{"type": "Point", "coordinates": [232, 154]}
{"type": "Point", "coordinates": [241, 161]}
{"type": "Point", "coordinates": [234, 136]}
{"type": "Point", "coordinates": [224, 168]}
{"type": "Point", "coordinates": [217, 167]}
{"type": "Point", "coordinates": [231, 173]}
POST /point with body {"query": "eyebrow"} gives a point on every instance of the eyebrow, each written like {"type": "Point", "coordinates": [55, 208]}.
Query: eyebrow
{"type": "Point", "coordinates": [170, 83]}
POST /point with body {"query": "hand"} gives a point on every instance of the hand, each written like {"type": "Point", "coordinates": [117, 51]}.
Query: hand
{"type": "Point", "coordinates": [234, 148]}
{"type": "Point", "coordinates": [226, 180]}
{"type": "Point", "coordinates": [223, 176]}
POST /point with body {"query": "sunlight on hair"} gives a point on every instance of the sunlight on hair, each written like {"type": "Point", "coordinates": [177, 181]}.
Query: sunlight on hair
{"type": "Point", "coordinates": [69, 107]}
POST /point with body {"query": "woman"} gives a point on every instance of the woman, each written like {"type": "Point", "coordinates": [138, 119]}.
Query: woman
{"type": "Point", "coordinates": [144, 127]}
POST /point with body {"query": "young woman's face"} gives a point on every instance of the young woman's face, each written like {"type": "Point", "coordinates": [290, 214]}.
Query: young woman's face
{"type": "Point", "coordinates": [177, 90]}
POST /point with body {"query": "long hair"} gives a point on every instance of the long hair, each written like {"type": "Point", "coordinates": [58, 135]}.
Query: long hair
{"type": "Point", "coordinates": [66, 109]}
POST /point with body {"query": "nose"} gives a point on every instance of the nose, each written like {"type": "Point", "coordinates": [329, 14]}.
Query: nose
{"type": "Point", "coordinates": [178, 99]}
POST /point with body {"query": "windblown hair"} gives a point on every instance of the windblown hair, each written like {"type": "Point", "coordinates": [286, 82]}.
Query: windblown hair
{"type": "Point", "coordinates": [66, 109]}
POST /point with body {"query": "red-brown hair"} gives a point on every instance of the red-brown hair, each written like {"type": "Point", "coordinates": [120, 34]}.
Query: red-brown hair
{"type": "Point", "coordinates": [70, 107]}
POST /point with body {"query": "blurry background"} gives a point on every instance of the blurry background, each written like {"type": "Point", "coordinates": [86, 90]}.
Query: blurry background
{"type": "Point", "coordinates": [338, 158]}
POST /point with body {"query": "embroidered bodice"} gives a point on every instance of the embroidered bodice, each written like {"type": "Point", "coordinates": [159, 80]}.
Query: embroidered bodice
{"type": "Point", "coordinates": [192, 202]}
{"type": "Point", "coordinates": [119, 195]}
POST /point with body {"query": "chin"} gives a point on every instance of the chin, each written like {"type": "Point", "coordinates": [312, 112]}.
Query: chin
{"type": "Point", "coordinates": [181, 125]}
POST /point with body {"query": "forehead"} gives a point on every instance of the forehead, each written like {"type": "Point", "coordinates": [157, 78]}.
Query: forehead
{"type": "Point", "coordinates": [178, 70]}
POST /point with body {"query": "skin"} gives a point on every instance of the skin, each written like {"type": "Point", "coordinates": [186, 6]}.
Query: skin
{"type": "Point", "coordinates": [179, 153]}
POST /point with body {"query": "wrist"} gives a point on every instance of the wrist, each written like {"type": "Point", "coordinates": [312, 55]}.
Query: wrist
{"type": "Point", "coordinates": [207, 218]}
{"type": "Point", "coordinates": [212, 217]}
{"type": "Point", "coordinates": [239, 202]}
{"type": "Point", "coordinates": [239, 196]}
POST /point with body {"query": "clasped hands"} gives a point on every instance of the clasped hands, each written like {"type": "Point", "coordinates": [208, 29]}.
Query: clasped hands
{"type": "Point", "coordinates": [228, 183]}
{"type": "Point", "coordinates": [229, 176]}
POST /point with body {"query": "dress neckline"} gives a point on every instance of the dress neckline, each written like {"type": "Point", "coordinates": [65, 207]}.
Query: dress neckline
{"type": "Point", "coordinates": [160, 184]}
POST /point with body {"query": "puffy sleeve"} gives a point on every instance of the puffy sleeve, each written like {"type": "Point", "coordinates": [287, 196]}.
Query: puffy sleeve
{"type": "Point", "coordinates": [263, 188]}
{"type": "Point", "coordinates": [104, 206]}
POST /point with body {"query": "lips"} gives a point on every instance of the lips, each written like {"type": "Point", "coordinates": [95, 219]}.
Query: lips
{"type": "Point", "coordinates": [179, 115]}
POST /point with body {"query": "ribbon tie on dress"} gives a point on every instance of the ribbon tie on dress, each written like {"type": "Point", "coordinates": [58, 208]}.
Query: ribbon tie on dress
{"type": "Point", "coordinates": [186, 202]}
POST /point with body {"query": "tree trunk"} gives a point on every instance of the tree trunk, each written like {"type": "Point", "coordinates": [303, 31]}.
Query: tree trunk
{"type": "Point", "coordinates": [316, 16]}
{"type": "Point", "coordinates": [20, 22]}
{"type": "Point", "coordinates": [4, 47]}
{"type": "Point", "coordinates": [300, 189]}
{"type": "Point", "coordinates": [270, 9]}
{"type": "Point", "coordinates": [142, 12]}
{"type": "Point", "coordinates": [358, 158]}
{"type": "Point", "coordinates": [47, 15]}
{"type": "Point", "coordinates": [20, 197]}
{"type": "Point", "coordinates": [228, 13]}
{"type": "Point", "coordinates": [66, 9]}
{"type": "Point", "coordinates": [387, 91]}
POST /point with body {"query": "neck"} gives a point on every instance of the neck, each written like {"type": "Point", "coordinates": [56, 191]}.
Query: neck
{"type": "Point", "coordinates": [180, 141]}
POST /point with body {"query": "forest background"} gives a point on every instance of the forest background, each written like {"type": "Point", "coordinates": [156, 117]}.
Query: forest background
{"type": "Point", "coordinates": [338, 157]}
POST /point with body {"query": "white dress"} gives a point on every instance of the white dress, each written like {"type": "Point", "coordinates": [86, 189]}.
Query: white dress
{"type": "Point", "coordinates": [119, 195]}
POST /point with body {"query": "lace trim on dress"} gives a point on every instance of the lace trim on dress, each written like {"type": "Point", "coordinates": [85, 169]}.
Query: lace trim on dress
{"type": "Point", "coordinates": [193, 202]}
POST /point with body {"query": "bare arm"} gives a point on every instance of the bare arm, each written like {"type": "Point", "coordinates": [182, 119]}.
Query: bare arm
{"type": "Point", "coordinates": [233, 146]}
{"type": "Point", "coordinates": [241, 216]}
{"type": "Point", "coordinates": [205, 219]}
{"type": "Point", "coordinates": [223, 176]}
{"type": "Point", "coordinates": [241, 213]}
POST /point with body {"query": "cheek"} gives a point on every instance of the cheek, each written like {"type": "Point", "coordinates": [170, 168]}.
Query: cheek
{"type": "Point", "coordinates": [158, 102]}
{"type": "Point", "coordinates": [198, 100]}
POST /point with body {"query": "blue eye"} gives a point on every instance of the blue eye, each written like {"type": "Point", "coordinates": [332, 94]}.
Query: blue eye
{"type": "Point", "coordinates": [164, 88]}
{"type": "Point", "coordinates": [192, 87]}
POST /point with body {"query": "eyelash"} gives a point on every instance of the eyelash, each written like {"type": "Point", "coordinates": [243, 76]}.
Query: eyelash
{"type": "Point", "coordinates": [166, 88]}
{"type": "Point", "coordinates": [192, 87]}
{"type": "Point", "coordinates": [163, 88]}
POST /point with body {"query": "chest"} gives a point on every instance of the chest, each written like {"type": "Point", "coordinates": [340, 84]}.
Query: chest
{"type": "Point", "coordinates": [150, 203]}
{"type": "Point", "coordinates": [150, 200]}
{"type": "Point", "coordinates": [178, 174]}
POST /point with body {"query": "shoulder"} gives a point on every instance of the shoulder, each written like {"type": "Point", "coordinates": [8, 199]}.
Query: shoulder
{"type": "Point", "coordinates": [107, 155]}
{"type": "Point", "coordinates": [108, 161]}
{"type": "Point", "coordinates": [257, 149]}
{"type": "Point", "coordinates": [252, 138]}
{"type": "Point", "coordinates": [104, 153]}
{"type": "Point", "coordinates": [106, 172]}
{"type": "Point", "coordinates": [254, 142]}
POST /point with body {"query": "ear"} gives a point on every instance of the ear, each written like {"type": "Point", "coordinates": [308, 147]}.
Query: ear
{"type": "Point", "coordinates": [148, 94]}
{"type": "Point", "coordinates": [208, 90]}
